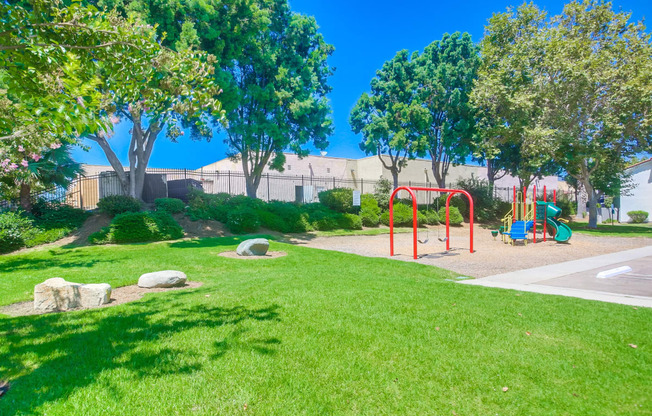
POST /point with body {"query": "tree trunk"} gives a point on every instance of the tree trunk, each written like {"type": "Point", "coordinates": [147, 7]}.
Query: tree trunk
{"type": "Point", "coordinates": [395, 177]}
{"type": "Point", "coordinates": [252, 186]}
{"type": "Point", "coordinates": [439, 174]}
{"type": "Point", "coordinates": [26, 197]}
{"type": "Point", "coordinates": [593, 197]}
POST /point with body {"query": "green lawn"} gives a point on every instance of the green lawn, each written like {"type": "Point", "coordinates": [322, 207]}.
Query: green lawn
{"type": "Point", "coordinates": [616, 230]}
{"type": "Point", "coordinates": [314, 333]}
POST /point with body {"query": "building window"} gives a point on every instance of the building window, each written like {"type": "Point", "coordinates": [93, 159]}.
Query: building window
{"type": "Point", "coordinates": [328, 170]}
{"type": "Point", "coordinates": [289, 167]}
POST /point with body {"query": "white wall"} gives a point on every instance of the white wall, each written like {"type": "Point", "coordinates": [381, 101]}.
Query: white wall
{"type": "Point", "coordinates": [639, 198]}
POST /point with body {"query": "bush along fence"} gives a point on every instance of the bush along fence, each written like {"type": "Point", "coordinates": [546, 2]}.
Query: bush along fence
{"type": "Point", "coordinates": [86, 191]}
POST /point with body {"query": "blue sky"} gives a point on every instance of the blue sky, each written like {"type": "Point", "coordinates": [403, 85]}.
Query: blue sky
{"type": "Point", "coordinates": [365, 34]}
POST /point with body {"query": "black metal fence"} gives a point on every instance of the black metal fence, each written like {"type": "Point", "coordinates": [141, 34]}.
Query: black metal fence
{"type": "Point", "coordinates": [85, 191]}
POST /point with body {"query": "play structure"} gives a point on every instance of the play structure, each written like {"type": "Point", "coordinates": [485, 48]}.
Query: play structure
{"type": "Point", "coordinates": [415, 239]}
{"type": "Point", "coordinates": [524, 217]}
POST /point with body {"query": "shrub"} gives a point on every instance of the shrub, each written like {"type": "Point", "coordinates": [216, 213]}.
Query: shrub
{"type": "Point", "coordinates": [135, 227]}
{"type": "Point", "coordinates": [369, 218]}
{"type": "Point", "coordinates": [338, 199]}
{"type": "Point", "coordinates": [402, 216]}
{"type": "Point", "coordinates": [350, 222]}
{"type": "Point", "coordinates": [119, 204]}
{"type": "Point", "coordinates": [55, 215]}
{"type": "Point", "coordinates": [431, 217]}
{"type": "Point", "coordinates": [456, 201]}
{"type": "Point", "coordinates": [171, 205]}
{"type": "Point", "coordinates": [637, 217]}
{"type": "Point", "coordinates": [455, 217]}
{"type": "Point", "coordinates": [284, 217]}
{"type": "Point", "coordinates": [382, 192]}
{"type": "Point", "coordinates": [243, 220]}
{"type": "Point", "coordinates": [15, 229]}
{"type": "Point", "coordinates": [370, 211]}
{"type": "Point", "coordinates": [203, 206]}
{"type": "Point", "coordinates": [567, 206]}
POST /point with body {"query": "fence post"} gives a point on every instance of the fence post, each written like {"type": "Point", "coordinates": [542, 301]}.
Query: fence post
{"type": "Point", "coordinates": [81, 193]}
{"type": "Point", "coordinates": [362, 186]}
{"type": "Point", "coordinates": [333, 182]}
{"type": "Point", "coordinates": [267, 186]}
{"type": "Point", "coordinates": [185, 173]}
{"type": "Point", "coordinates": [229, 175]}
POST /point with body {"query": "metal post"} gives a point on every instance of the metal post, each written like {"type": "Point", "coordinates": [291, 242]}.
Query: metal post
{"type": "Point", "coordinates": [267, 186]}
{"type": "Point", "coordinates": [545, 213]}
{"type": "Point", "coordinates": [229, 175]}
{"type": "Point", "coordinates": [362, 186]}
{"type": "Point", "coordinates": [514, 206]}
{"type": "Point", "coordinates": [524, 202]}
{"type": "Point", "coordinates": [534, 209]}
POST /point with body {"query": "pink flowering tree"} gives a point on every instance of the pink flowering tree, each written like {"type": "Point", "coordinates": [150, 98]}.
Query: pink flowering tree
{"type": "Point", "coordinates": [34, 172]}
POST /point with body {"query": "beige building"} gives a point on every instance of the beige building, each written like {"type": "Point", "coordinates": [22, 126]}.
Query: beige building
{"type": "Point", "coordinates": [417, 171]}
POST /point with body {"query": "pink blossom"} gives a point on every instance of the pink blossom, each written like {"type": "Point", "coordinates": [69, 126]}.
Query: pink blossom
{"type": "Point", "coordinates": [35, 157]}
{"type": "Point", "coordinates": [24, 163]}
{"type": "Point", "coordinates": [55, 145]}
{"type": "Point", "coordinates": [5, 162]}
{"type": "Point", "coordinates": [21, 148]}
{"type": "Point", "coordinates": [114, 119]}
{"type": "Point", "coordinates": [13, 166]}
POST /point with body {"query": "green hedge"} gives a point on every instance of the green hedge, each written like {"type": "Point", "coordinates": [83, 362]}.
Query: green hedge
{"type": "Point", "coordinates": [455, 217]}
{"type": "Point", "coordinates": [338, 199]}
{"type": "Point", "coordinates": [119, 204]}
{"type": "Point", "coordinates": [136, 227]}
{"type": "Point", "coordinates": [15, 229]}
{"type": "Point", "coordinates": [638, 217]}
{"type": "Point", "coordinates": [284, 217]}
{"type": "Point", "coordinates": [403, 216]}
{"type": "Point", "coordinates": [243, 220]}
{"type": "Point", "coordinates": [171, 205]}
{"type": "Point", "coordinates": [369, 211]}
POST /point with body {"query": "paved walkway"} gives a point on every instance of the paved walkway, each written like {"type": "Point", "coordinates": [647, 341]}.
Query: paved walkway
{"type": "Point", "coordinates": [577, 278]}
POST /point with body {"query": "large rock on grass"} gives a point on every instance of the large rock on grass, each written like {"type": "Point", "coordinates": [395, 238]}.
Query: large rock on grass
{"type": "Point", "coordinates": [57, 294]}
{"type": "Point", "coordinates": [253, 247]}
{"type": "Point", "coordinates": [165, 278]}
{"type": "Point", "coordinates": [96, 294]}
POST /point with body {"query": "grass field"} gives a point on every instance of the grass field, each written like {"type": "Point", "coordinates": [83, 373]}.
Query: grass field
{"type": "Point", "coordinates": [314, 333]}
{"type": "Point", "coordinates": [615, 230]}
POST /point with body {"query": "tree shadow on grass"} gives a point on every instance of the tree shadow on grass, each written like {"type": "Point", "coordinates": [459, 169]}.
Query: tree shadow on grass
{"type": "Point", "coordinates": [68, 261]}
{"type": "Point", "coordinates": [47, 358]}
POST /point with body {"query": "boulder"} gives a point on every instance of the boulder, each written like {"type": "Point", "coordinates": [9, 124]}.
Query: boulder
{"type": "Point", "coordinates": [165, 278]}
{"type": "Point", "coordinates": [92, 295]}
{"type": "Point", "coordinates": [57, 294]}
{"type": "Point", "coordinates": [253, 247]}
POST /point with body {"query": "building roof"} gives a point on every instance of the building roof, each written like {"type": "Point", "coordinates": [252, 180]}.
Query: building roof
{"type": "Point", "coordinates": [639, 163]}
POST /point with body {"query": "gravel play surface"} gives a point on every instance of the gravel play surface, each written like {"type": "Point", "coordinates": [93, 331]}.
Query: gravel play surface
{"type": "Point", "coordinates": [490, 257]}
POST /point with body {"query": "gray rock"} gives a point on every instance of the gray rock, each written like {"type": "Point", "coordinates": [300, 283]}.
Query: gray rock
{"type": "Point", "coordinates": [57, 294]}
{"type": "Point", "coordinates": [165, 278]}
{"type": "Point", "coordinates": [253, 247]}
{"type": "Point", "coordinates": [94, 294]}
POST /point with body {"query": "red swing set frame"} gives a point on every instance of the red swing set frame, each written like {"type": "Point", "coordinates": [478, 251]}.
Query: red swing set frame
{"type": "Point", "coordinates": [410, 190]}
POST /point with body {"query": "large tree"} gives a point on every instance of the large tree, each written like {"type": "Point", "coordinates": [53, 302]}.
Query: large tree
{"type": "Point", "coordinates": [171, 92]}
{"type": "Point", "coordinates": [391, 118]}
{"type": "Point", "coordinates": [574, 90]}
{"type": "Point", "coordinates": [272, 65]}
{"type": "Point", "coordinates": [445, 73]}
{"type": "Point", "coordinates": [50, 58]}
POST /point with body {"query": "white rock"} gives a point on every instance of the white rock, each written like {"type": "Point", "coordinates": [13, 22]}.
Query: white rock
{"type": "Point", "coordinates": [94, 294]}
{"type": "Point", "coordinates": [56, 295]}
{"type": "Point", "coordinates": [253, 247]}
{"type": "Point", "coordinates": [165, 278]}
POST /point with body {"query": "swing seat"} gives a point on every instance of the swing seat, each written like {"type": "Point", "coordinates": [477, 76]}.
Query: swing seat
{"type": "Point", "coordinates": [443, 240]}
{"type": "Point", "coordinates": [423, 241]}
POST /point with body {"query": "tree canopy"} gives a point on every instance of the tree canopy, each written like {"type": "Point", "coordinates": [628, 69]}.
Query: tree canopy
{"type": "Point", "coordinates": [391, 118]}
{"type": "Point", "coordinates": [445, 73]}
{"type": "Point", "coordinates": [51, 56]}
{"type": "Point", "coordinates": [575, 89]}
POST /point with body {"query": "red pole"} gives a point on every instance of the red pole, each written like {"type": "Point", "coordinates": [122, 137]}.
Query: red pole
{"type": "Point", "coordinates": [545, 214]}
{"type": "Point", "coordinates": [524, 202]}
{"type": "Point", "coordinates": [448, 234]}
{"type": "Point", "coordinates": [554, 196]}
{"type": "Point", "coordinates": [414, 225]}
{"type": "Point", "coordinates": [534, 208]}
{"type": "Point", "coordinates": [391, 224]}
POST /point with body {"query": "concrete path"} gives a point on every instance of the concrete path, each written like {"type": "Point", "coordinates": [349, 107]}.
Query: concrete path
{"type": "Point", "coordinates": [577, 278]}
